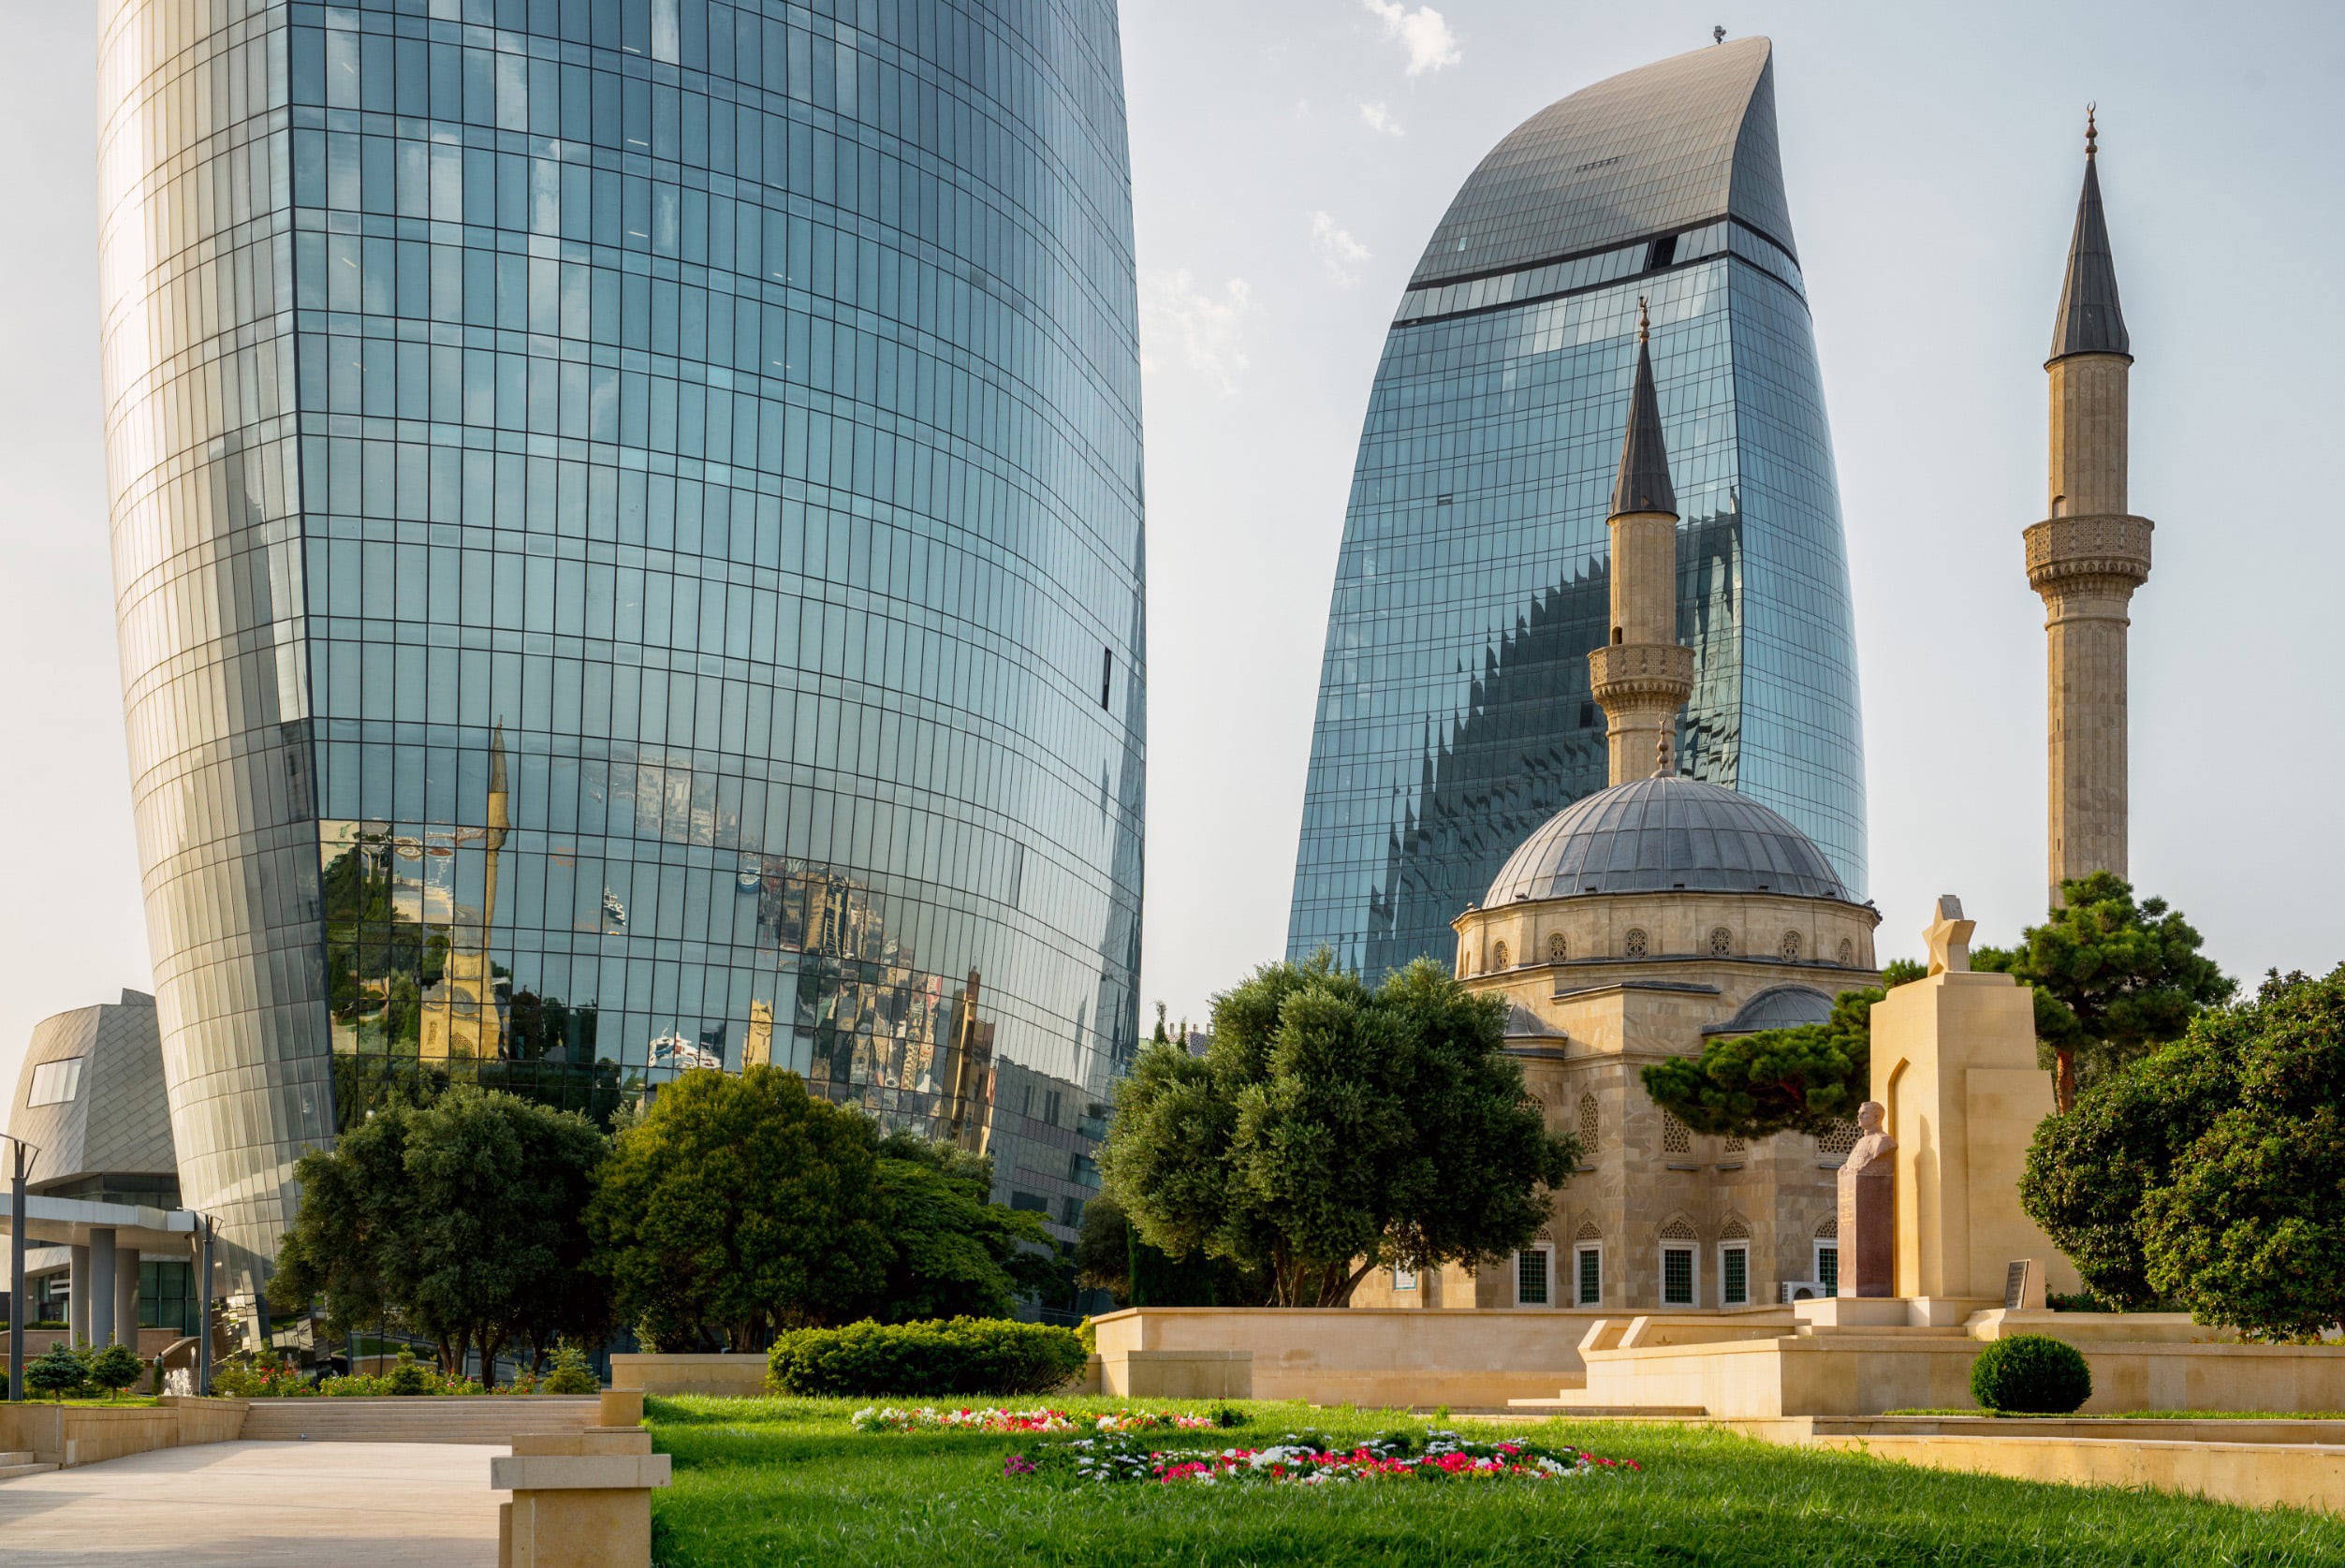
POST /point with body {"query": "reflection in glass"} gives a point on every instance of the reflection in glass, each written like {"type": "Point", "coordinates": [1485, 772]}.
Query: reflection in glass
{"type": "Point", "coordinates": [621, 514]}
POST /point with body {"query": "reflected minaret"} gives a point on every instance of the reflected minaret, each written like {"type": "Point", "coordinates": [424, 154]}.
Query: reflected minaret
{"type": "Point", "coordinates": [2088, 556]}
{"type": "Point", "coordinates": [463, 1014]}
{"type": "Point", "coordinates": [1644, 676]}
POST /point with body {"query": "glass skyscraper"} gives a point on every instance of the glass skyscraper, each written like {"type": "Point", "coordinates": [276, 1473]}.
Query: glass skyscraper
{"type": "Point", "coordinates": [627, 540]}
{"type": "Point", "coordinates": [1454, 710]}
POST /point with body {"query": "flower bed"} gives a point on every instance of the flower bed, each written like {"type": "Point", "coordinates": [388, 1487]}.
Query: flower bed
{"type": "Point", "coordinates": [928, 1418]}
{"type": "Point", "coordinates": [1310, 1459]}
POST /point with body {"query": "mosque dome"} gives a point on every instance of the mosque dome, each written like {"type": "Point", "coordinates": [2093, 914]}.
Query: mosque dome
{"type": "Point", "coordinates": [1665, 834]}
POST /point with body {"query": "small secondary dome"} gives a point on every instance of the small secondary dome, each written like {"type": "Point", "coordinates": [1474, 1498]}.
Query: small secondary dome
{"type": "Point", "coordinates": [1661, 835]}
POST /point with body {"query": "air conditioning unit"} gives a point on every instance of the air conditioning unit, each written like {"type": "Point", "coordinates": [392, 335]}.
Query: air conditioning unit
{"type": "Point", "coordinates": [1800, 1290]}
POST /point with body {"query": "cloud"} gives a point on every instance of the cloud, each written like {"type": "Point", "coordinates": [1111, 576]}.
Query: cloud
{"type": "Point", "coordinates": [1422, 32]}
{"type": "Point", "coordinates": [1337, 251]}
{"type": "Point", "coordinates": [1205, 330]}
{"type": "Point", "coordinates": [1380, 119]}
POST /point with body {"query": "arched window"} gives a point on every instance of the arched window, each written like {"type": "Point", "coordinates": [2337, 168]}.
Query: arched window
{"type": "Point", "coordinates": [1558, 949]}
{"type": "Point", "coordinates": [1590, 1125]}
{"type": "Point", "coordinates": [1848, 954]}
{"type": "Point", "coordinates": [1498, 956]}
{"type": "Point", "coordinates": [1791, 945]}
{"type": "Point", "coordinates": [1634, 944]}
{"type": "Point", "coordinates": [1733, 1230]}
{"type": "Point", "coordinates": [1721, 942]}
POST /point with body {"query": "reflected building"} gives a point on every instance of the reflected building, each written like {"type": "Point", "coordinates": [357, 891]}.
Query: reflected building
{"type": "Point", "coordinates": [1455, 714]}
{"type": "Point", "coordinates": [628, 531]}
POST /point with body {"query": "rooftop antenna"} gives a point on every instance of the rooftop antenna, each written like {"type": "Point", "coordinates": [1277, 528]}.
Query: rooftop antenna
{"type": "Point", "coordinates": [1718, 35]}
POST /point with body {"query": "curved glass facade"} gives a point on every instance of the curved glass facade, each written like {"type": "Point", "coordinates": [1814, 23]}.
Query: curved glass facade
{"type": "Point", "coordinates": [627, 530]}
{"type": "Point", "coordinates": [1454, 711]}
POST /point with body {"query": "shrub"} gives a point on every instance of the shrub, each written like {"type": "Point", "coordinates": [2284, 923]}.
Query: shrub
{"type": "Point", "coordinates": [2031, 1374]}
{"type": "Point", "coordinates": [406, 1377]}
{"type": "Point", "coordinates": [115, 1369]}
{"type": "Point", "coordinates": [58, 1372]}
{"type": "Point", "coordinates": [961, 1355]}
{"type": "Point", "coordinates": [571, 1374]}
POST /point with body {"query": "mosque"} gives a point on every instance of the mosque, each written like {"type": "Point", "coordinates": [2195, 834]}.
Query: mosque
{"type": "Point", "coordinates": [1661, 912]}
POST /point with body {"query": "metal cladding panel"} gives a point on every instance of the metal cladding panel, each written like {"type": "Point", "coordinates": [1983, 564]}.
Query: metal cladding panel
{"type": "Point", "coordinates": [1648, 151]}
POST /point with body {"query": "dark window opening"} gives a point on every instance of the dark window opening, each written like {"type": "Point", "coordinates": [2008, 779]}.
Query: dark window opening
{"type": "Point", "coordinates": [1663, 251]}
{"type": "Point", "coordinates": [1106, 673]}
{"type": "Point", "coordinates": [1616, 636]}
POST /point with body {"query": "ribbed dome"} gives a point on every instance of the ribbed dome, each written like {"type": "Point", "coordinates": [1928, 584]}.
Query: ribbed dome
{"type": "Point", "coordinates": [1656, 835]}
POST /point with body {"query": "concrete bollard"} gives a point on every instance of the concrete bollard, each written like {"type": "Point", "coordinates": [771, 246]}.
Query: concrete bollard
{"type": "Point", "coordinates": [581, 1500]}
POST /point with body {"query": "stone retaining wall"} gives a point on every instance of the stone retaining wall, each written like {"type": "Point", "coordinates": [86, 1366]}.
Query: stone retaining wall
{"type": "Point", "coordinates": [69, 1435]}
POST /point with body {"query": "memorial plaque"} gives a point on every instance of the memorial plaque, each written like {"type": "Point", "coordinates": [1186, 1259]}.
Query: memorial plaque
{"type": "Point", "coordinates": [2015, 1284]}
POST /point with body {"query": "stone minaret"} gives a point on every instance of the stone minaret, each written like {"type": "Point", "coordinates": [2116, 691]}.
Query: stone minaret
{"type": "Point", "coordinates": [1644, 677]}
{"type": "Point", "coordinates": [2088, 556]}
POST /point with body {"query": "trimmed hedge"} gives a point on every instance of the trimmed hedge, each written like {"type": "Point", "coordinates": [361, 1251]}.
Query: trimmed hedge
{"type": "Point", "coordinates": [963, 1356]}
{"type": "Point", "coordinates": [2031, 1374]}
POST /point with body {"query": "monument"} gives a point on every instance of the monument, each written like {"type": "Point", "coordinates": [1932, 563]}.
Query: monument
{"type": "Point", "coordinates": [1868, 1209]}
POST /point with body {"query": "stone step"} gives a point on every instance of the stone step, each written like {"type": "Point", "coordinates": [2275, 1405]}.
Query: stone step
{"type": "Point", "coordinates": [426, 1419]}
{"type": "Point", "coordinates": [14, 1465]}
{"type": "Point", "coordinates": [1580, 1407]}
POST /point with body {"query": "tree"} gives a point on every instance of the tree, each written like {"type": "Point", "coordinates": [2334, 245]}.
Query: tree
{"type": "Point", "coordinates": [1109, 1255]}
{"type": "Point", "coordinates": [463, 1219]}
{"type": "Point", "coordinates": [2249, 1229]}
{"type": "Point", "coordinates": [115, 1368]}
{"type": "Point", "coordinates": [1803, 1078]}
{"type": "Point", "coordinates": [2089, 1171]}
{"type": "Point", "coordinates": [951, 1252]}
{"type": "Point", "coordinates": [739, 1204]}
{"type": "Point", "coordinates": [57, 1373]}
{"type": "Point", "coordinates": [1330, 1128]}
{"type": "Point", "coordinates": [2113, 979]}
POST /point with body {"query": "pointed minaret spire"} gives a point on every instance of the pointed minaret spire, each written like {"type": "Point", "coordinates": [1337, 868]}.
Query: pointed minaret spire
{"type": "Point", "coordinates": [1643, 676]}
{"type": "Point", "coordinates": [2090, 320]}
{"type": "Point", "coordinates": [2087, 557]}
{"type": "Point", "coordinates": [1643, 482]}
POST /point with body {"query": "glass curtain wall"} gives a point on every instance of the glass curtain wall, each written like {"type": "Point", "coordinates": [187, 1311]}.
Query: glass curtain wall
{"type": "Point", "coordinates": [628, 540]}
{"type": "Point", "coordinates": [1454, 714]}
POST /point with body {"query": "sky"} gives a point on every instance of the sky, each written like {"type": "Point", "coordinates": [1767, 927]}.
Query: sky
{"type": "Point", "coordinates": [1289, 159]}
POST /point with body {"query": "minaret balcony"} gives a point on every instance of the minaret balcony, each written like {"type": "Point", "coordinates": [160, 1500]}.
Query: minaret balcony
{"type": "Point", "coordinates": [2065, 550]}
{"type": "Point", "coordinates": [1655, 669]}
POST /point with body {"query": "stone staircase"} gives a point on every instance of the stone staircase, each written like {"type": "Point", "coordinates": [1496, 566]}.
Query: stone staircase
{"type": "Point", "coordinates": [16, 1464]}
{"type": "Point", "coordinates": [425, 1418]}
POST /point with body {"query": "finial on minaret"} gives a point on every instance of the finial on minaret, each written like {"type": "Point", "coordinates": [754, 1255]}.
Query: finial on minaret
{"type": "Point", "coordinates": [1663, 763]}
{"type": "Point", "coordinates": [1643, 320]}
{"type": "Point", "coordinates": [2091, 133]}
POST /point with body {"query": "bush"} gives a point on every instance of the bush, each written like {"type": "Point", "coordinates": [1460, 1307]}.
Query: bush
{"type": "Point", "coordinates": [2031, 1374]}
{"type": "Point", "coordinates": [571, 1374]}
{"type": "Point", "coordinates": [962, 1356]}
{"type": "Point", "coordinates": [115, 1369]}
{"type": "Point", "coordinates": [61, 1371]}
{"type": "Point", "coordinates": [405, 1377]}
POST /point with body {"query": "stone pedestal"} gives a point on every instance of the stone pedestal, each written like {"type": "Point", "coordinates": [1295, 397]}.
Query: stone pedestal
{"type": "Point", "coordinates": [579, 1500]}
{"type": "Point", "coordinates": [1869, 1230]}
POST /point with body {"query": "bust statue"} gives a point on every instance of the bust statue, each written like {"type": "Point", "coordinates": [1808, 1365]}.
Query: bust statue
{"type": "Point", "coordinates": [1869, 1207]}
{"type": "Point", "coordinates": [1875, 1144]}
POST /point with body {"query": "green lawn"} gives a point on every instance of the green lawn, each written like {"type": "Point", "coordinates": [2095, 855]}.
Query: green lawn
{"type": "Point", "coordinates": [788, 1481]}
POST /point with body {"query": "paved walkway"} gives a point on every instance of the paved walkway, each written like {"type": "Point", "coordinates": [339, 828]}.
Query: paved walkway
{"type": "Point", "coordinates": [349, 1505]}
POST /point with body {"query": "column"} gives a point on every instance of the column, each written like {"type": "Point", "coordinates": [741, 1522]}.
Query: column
{"type": "Point", "coordinates": [126, 1296]}
{"type": "Point", "coordinates": [78, 1297]}
{"type": "Point", "coordinates": [102, 1306]}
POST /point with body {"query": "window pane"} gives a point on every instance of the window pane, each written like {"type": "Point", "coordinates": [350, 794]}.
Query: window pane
{"type": "Point", "coordinates": [1828, 1269]}
{"type": "Point", "coordinates": [55, 1082]}
{"type": "Point", "coordinates": [1735, 1277]}
{"type": "Point", "coordinates": [1590, 1276]}
{"type": "Point", "coordinates": [1530, 1278]}
{"type": "Point", "coordinates": [1676, 1276]}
